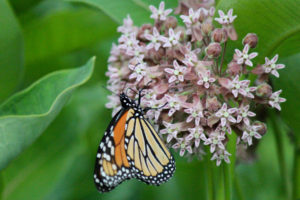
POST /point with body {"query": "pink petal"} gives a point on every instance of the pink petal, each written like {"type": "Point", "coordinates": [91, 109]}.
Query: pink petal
{"type": "Point", "coordinates": [231, 119]}
{"type": "Point", "coordinates": [223, 121]}
{"type": "Point", "coordinates": [275, 73]}
{"type": "Point", "coordinates": [169, 70]}
{"type": "Point", "coordinates": [280, 66]}
{"type": "Point", "coordinates": [221, 13]}
{"type": "Point", "coordinates": [189, 119]}
{"type": "Point", "coordinates": [246, 49]}
{"type": "Point", "coordinates": [274, 60]}
{"type": "Point", "coordinates": [171, 112]}
{"type": "Point", "coordinates": [249, 63]}
{"type": "Point", "coordinates": [162, 5]}
{"type": "Point", "coordinates": [172, 79]}
{"type": "Point", "coordinates": [182, 152]}
{"type": "Point", "coordinates": [253, 55]}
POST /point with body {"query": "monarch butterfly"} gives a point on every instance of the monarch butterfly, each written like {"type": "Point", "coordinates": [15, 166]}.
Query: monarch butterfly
{"type": "Point", "coordinates": [131, 148]}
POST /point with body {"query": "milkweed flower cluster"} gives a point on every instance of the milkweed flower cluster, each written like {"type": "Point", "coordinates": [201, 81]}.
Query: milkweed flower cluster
{"type": "Point", "coordinates": [183, 68]}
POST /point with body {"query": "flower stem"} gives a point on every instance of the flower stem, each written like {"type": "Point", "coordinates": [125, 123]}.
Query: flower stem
{"type": "Point", "coordinates": [281, 155]}
{"type": "Point", "coordinates": [296, 173]}
{"type": "Point", "coordinates": [229, 169]}
{"type": "Point", "coordinates": [238, 189]}
{"type": "Point", "coordinates": [222, 59]}
{"type": "Point", "coordinates": [209, 180]}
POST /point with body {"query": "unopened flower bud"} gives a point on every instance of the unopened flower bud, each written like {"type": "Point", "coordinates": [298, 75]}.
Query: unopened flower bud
{"type": "Point", "coordinates": [212, 104]}
{"type": "Point", "coordinates": [219, 35]}
{"type": "Point", "coordinates": [182, 31]}
{"type": "Point", "coordinates": [234, 68]}
{"type": "Point", "coordinates": [171, 22]}
{"type": "Point", "coordinates": [213, 50]}
{"type": "Point", "coordinates": [264, 90]}
{"type": "Point", "coordinates": [263, 128]}
{"type": "Point", "coordinates": [251, 39]}
{"type": "Point", "coordinates": [206, 28]}
{"type": "Point", "coordinates": [146, 28]}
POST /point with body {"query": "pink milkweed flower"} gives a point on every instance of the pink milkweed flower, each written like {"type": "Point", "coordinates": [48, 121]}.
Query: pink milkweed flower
{"type": "Point", "coordinates": [196, 134]}
{"type": "Point", "coordinates": [244, 57]}
{"type": "Point", "coordinates": [128, 42]}
{"type": "Point", "coordinates": [219, 155]}
{"type": "Point", "coordinates": [160, 13]}
{"type": "Point", "coordinates": [243, 113]}
{"type": "Point", "coordinates": [174, 103]}
{"type": "Point", "coordinates": [205, 79]}
{"type": "Point", "coordinates": [154, 40]}
{"type": "Point", "coordinates": [192, 18]}
{"type": "Point", "coordinates": [136, 51]}
{"type": "Point", "coordinates": [190, 56]}
{"type": "Point", "coordinates": [195, 112]}
{"type": "Point", "coordinates": [172, 40]}
{"type": "Point", "coordinates": [113, 103]}
{"type": "Point", "coordinates": [239, 87]}
{"type": "Point", "coordinates": [184, 145]}
{"type": "Point", "coordinates": [155, 104]}
{"type": "Point", "coordinates": [250, 132]}
{"type": "Point", "coordinates": [215, 140]}
{"type": "Point", "coordinates": [270, 66]}
{"type": "Point", "coordinates": [114, 53]}
{"type": "Point", "coordinates": [127, 26]}
{"type": "Point", "coordinates": [275, 100]}
{"type": "Point", "coordinates": [139, 70]}
{"type": "Point", "coordinates": [223, 129]}
{"type": "Point", "coordinates": [177, 74]}
{"type": "Point", "coordinates": [112, 73]}
{"type": "Point", "coordinates": [225, 19]}
{"type": "Point", "coordinates": [225, 114]}
{"type": "Point", "coordinates": [171, 130]}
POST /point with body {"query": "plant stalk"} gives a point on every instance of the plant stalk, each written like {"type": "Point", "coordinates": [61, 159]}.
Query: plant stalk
{"type": "Point", "coordinates": [281, 155]}
{"type": "Point", "coordinates": [296, 173]}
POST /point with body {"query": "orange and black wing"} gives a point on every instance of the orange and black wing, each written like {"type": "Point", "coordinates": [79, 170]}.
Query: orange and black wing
{"type": "Point", "coordinates": [131, 148]}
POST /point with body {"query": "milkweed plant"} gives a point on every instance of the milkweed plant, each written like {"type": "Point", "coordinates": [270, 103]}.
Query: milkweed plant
{"type": "Point", "coordinates": [197, 99]}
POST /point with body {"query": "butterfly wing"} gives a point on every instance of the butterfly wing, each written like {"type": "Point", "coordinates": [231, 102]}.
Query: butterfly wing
{"type": "Point", "coordinates": [112, 166]}
{"type": "Point", "coordinates": [131, 148]}
{"type": "Point", "coordinates": [149, 158]}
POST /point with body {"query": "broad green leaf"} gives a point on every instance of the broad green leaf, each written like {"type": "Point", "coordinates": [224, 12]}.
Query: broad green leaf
{"type": "Point", "coordinates": [275, 22]}
{"type": "Point", "coordinates": [137, 9]}
{"type": "Point", "coordinates": [62, 151]}
{"type": "Point", "coordinates": [118, 10]}
{"type": "Point", "coordinates": [289, 83]}
{"type": "Point", "coordinates": [11, 51]}
{"type": "Point", "coordinates": [63, 31]}
{"type": "Point", "coordinates": [27, 114]}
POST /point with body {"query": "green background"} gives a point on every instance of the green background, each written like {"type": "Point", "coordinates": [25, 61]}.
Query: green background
{"type": "Point", "coordinates": [49, 132]}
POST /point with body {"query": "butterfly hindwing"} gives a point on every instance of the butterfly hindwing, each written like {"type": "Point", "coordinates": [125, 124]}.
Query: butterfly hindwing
{"type": "Point", "coordinates": [150, 160]}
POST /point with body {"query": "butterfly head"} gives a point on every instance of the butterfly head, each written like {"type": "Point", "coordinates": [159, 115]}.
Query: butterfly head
{"type": "Point", "coordinates": [126, 101]}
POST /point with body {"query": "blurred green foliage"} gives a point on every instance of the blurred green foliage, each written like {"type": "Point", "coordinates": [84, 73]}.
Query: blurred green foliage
{"type": "Point", "coordinates": [41, 36]}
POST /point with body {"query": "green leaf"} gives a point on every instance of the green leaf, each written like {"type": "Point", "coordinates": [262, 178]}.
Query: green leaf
{"type": "Point", "coordinates": [66, 30]}
{"type": "Point", "coordinates": [289, 83]}
{"type": "Point", "coordinates": [27, 114]}
{"type": "Point", "coordinates": [276, 23]}
{"type": "Point", "coordinates": [62, 151]}
{"type": "Point", "coordinates": [11, 51]}
{"type": "Point", "coordinates": [118, 10]}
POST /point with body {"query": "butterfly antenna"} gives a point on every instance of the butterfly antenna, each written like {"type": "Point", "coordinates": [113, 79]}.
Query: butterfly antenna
{"type": "Point", "coordinates": [148, 108]}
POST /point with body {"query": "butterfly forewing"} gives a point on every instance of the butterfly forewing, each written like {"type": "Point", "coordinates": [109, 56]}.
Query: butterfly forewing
{"type": "Point", "coordinates": [131, 148]}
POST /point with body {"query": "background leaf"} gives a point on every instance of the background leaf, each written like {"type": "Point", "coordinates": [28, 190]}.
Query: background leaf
{"type": "Point", "coordinates": [11, 51]}
{"type": "Point", "coordinates": [27, 114]}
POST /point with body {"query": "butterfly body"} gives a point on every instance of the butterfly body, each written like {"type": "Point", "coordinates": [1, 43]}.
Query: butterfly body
{"type": "Point", "coordinates": [131, 148]}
